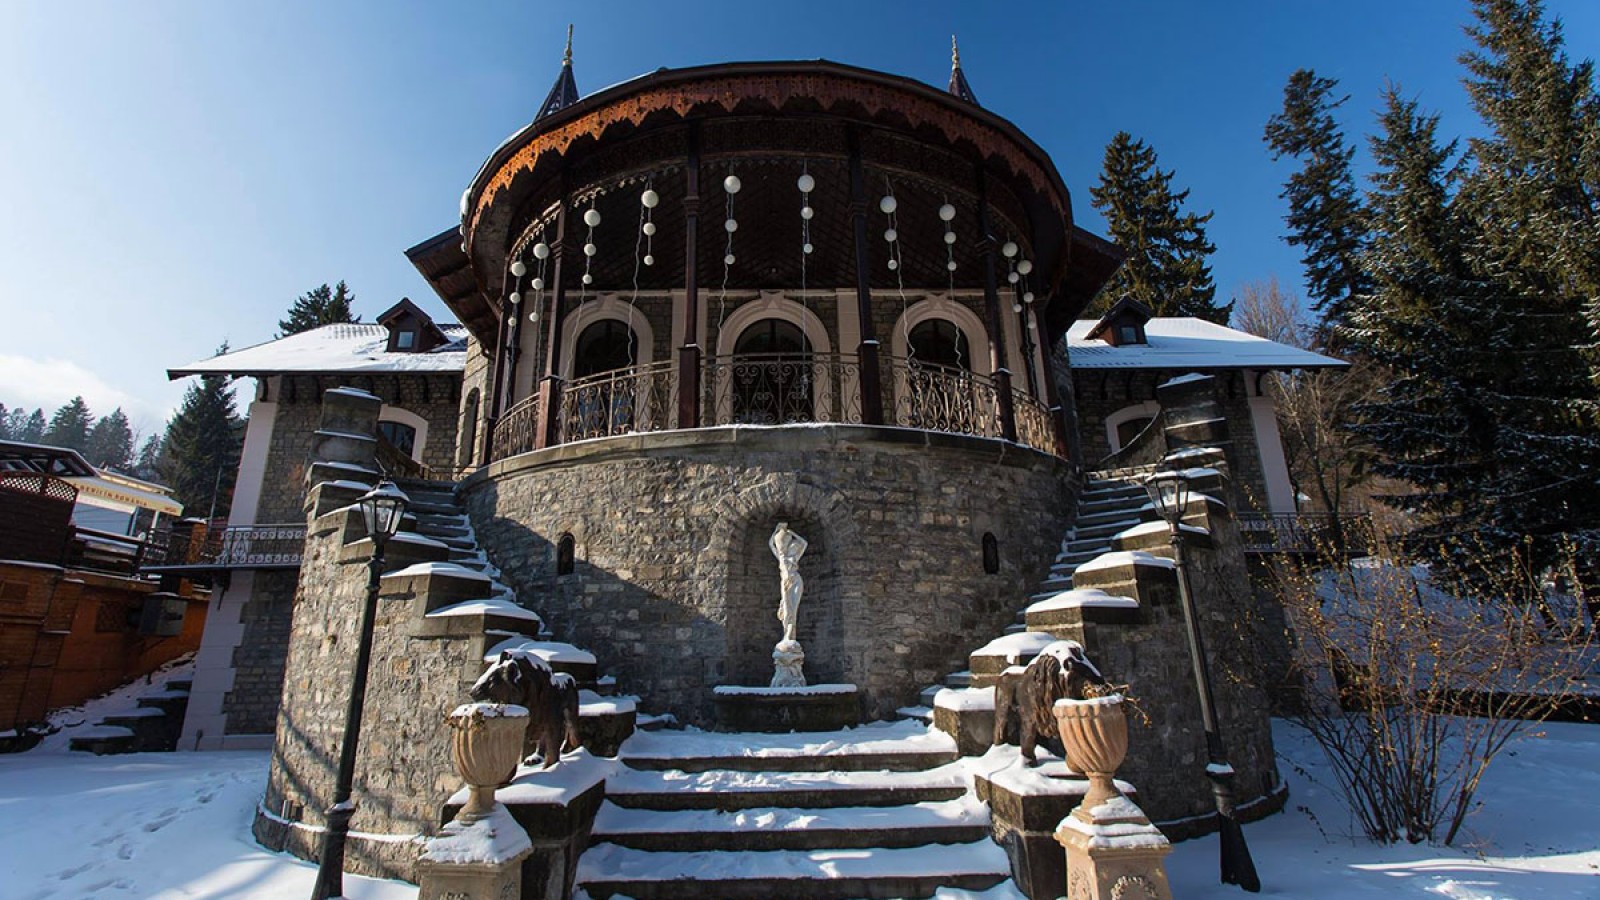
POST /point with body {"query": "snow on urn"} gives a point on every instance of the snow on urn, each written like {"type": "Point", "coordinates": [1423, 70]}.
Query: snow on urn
{"type": "Point", "coordinates": [486, 743]}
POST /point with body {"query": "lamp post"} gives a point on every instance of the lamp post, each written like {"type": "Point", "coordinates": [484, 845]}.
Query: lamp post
{"type": "Point", "coordinates": [1169, 494]}
{"type": "Point", "coordinates": [382, 508]}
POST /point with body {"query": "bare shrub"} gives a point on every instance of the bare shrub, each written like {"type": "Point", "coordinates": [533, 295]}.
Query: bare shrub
{"type": "Point", "coordinates": [1413, 685]}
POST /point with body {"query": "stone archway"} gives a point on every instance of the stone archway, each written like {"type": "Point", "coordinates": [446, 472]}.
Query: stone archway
{"type": "Point", "coordinates": [744, 587]}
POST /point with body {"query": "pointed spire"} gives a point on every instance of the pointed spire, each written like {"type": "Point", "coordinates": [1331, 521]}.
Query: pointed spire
{"type": "Point", "coordinates": [958, 79]}
{"type": "Point", "coordinates": [564, 92]}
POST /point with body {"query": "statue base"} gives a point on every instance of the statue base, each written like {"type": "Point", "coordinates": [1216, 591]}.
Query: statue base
{"type": "Point", "coordinates": [1113, 853]}
{"type": "Point", "coordinates": [817, 707]}
{"type": "Point", "coordinates": [788, 665]}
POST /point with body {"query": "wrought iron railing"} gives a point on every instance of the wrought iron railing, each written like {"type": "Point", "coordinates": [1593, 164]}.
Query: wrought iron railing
{"type": "Point", "coordinates": [944, 398]}
{"type": "Point", "coordinates": [1035, 427]}
{"type": "Point", "coordinates": [516, 430]}
{"type": "Point", "coordinates": [642, 398]}
{"type": "Point", "coordinates": [775, 389]}
{"type": "Point", "coordinates": [781, 388]}
{"type": "Point", "coordinates": [1313, 533]}
{"type": "Point", "coordinates": [252, 546]}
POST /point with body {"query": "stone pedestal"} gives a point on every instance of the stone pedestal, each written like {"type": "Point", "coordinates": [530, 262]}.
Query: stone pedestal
{"type": "Point", "coordinates": [480, 859]}
{"type": "Point", "coordinates": [788, 665]}
{"type": "Point", "coordinates": [818, 707]}
{"type": "Point", "coordinates": [1114, 853]}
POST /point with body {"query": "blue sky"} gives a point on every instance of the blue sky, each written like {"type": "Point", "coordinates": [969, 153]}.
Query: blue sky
{"type": "Point", "coordinates": [173, 174]}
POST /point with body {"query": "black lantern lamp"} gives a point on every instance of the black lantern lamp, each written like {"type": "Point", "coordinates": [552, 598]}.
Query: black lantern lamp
{"type": "Point", "coordinates": [382, 508]}
{"type": "Point", "coordinates": [1170, 493]}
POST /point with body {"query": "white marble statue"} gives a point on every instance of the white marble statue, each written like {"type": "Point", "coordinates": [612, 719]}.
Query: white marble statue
{"type": "Point", "coordinates": [788, 658]}
{"type": "Point", "coordinates": [788, 548]}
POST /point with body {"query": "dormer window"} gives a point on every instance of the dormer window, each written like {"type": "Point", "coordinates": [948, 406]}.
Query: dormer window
{"type": "Point", "coordinates": [410, 329]}
{"type": "Point", "coordinates": [1123, 324]}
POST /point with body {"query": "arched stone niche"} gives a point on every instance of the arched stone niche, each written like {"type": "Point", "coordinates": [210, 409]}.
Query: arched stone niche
{"type": "Point", "coordinates": [750, 586]}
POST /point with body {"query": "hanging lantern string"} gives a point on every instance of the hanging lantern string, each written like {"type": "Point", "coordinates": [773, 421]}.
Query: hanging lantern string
{"type": "Point", "coordinates": [638, 260]}
{"type": "Point", "coordinates": [890, 206]}
{"type": "Point", "coordinates": [805, 183]}
{"type": "Point", "coordinates": [591, 218]}
{"type": "Point", "coordinates": [730, 186]}
{"type": "Point", "coordinates": [947, 214]}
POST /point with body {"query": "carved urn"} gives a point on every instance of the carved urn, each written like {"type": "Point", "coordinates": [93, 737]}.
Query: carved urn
{"type": "Point", "coordinates": [486, 741]}
{"type": "Point", "coordinates": [1094, 733]}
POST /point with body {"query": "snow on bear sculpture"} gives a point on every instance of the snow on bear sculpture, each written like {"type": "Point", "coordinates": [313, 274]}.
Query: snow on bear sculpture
{"type": "Point", "coordinates": [1060, 671]}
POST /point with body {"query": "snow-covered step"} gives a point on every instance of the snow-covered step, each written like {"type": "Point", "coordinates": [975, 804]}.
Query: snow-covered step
{"type": "Point", "coordinates": [1106, 529]}
{"type": "Point", "coordinates": [831, 874]}
{"type": "Point", "coordinates": [879, 746]}
{"type": "Point", "coordinates": [733, 790]}
{"type": "Point", "coordinates": [962, 820]}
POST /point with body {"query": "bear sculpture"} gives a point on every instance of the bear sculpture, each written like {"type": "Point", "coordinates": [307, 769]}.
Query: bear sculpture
{"type": "Point", "coordinates": [551, 698]}
{"type": "Point", "coordinates": [1027, 693]}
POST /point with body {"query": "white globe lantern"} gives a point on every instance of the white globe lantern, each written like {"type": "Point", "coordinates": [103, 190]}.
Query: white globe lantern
{"type": "Point", "coordinates": [515, 298]}
{"type": "Point", "coordinates": [888, 204]}
{"type": "Point", "coordinates": [538, 284]}
{"type": "Point", "coordinates": [806, 212]}
{"type": "Point", "coordinates": [541, 250]}
{"type": "Point", "coordinates": [591, 217]}
{"type": "Point", "coordinates": [1008, 249]}
{"type": "Point", "coordinates": [649, 198]}
{"type": "Point", "coordinates": [519, 268]}
{"type": "Point", "coordinates": [947, 212]}
{"type": "Point", "coordinates": [728, 260]}
{"type": "Point", "coordinates": [806, 183]}
{"type": "Point", "coordinates": [590, 249]}
{"type": "Point", "coordinates": [731, 184]}
{"type": "Point", "coordinates": [730, 226]}
{"type": "Point", "coordinates": [1025, 266]}
{"type": "Point", "coordinates": [890, 235]}
{"type": "Point", "coordinates": [649, 260]}
{"type": "Point", "coordinates": [649, 228]}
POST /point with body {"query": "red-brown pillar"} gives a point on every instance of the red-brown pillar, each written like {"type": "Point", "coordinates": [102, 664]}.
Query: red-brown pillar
{"type": "Point", "coordinates": [689, 353]}
{"type": "Point", "coordinates": [1005, 409]}
{"type": "Point", "coordinates": [549, 428]}
{"type": "Point", "coordinates": [868, 351]}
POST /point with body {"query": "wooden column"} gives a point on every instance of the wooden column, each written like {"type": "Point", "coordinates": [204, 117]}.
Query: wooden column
{"type": "Point", "coordinates": [492, 398]}
{"type": "Point", "coordinates": [689, 353]}
{"type": "Point", "coordinates": [549, 429]}
{"type": "Point", "coordinates": [1065, 446]}
{"type": "Point", "coordinates": [868, 350]}
{"type": "Point", "coordinates": [1004, 407]}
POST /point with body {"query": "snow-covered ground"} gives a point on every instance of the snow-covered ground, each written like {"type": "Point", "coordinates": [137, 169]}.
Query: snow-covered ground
{"type": "Point", "coordinates": [178, 825]}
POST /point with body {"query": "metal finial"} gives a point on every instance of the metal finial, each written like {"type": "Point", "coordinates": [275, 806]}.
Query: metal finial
{"type": "Point", "coordinates": [566, 59]}
{"type": "Point", "coordinates": [955, 53]}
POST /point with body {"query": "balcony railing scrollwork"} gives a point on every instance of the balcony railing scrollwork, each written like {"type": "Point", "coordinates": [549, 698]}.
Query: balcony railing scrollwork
{"type": "Point", "coordinates": [776, 389]}
{"type": "Point", "coordinates": [622, 401]}
{"type": "Point", "coordinates": [517, 428]}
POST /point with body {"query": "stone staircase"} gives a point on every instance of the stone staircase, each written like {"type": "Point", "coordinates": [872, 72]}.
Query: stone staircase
{"type": "Point", "coordinates": [474, 594]}
{"type": "Point", "coordinates": [1111, 503]}
{"type": "Point", "coordinates": [690, 814]}
{"type": "Point", "coordinates": [152, 726]}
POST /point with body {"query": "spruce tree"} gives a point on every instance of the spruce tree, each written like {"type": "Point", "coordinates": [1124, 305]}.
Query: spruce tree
{"type": "Point", "coordinates": [5, 423]}
{"type": "Point", "coordinates": [1166, 268]}
{"type": "Point", "coordinates": [1431, 422]}
{"type": "Point", "coordinates": [70, 425]}
{"type": "Point", "coordinates": [32, 429]}
{"type": "Point", "coordinates": [317, 307]}
{"type": "Point", "coordinates": [1533, 193]}
{"type": "Point", "coordinates": [1325, 216]}
{"type": "Point", "coordinates": [202, 446]}
{"type": "Point", "coordinates": [148, 463]}
{"type": "Point", "coordinates": [16, 420]}
{"type": "Point", "coordinates": [110, 444]}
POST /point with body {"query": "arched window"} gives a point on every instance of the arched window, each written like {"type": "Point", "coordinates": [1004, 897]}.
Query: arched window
{"type": "Point", "coordinates": [991, 553]}
{"type": "Point", "coordinates": [469, 429]}
{"type": "Point", "coordinates": [940, 342]}
{"type": "Point", "coordinates": [603, 346]}
{"type": "Point", "coordinates": [399, 435]}
{"type": "Point", "coordinates": [772, 381]}
{"type": "Point", "coordinates": [566, 551]}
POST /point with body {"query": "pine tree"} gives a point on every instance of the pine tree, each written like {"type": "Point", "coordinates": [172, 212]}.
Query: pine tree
{"type": "Point", "coordinates": [70, 425]}
{"type": "Point", "coordinates": [202, 446]}
{"type": "Point", "coordinates": [148, 463]}
{"type": "Point", "coordinates": [1167, 249]}
{"type": "Point", "coordinates": [1423, 320]}
{"type": "Point", "coordinates": [110, 444]}
{"type": "Point", "coordinates": [1533, 194]}
{"type": "Point", "coordinates": [15, 421]}
{"type": "Point", "coordinates": [319, 306]}
{"type": "Point", "coordinates": [32, 429]}
{"type": "Point", "coordinates": [5, 423]}
{"type": "Point", "coordinates": [1325, 216]}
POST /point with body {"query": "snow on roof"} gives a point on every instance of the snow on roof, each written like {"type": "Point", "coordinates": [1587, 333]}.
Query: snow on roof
{"type": "Point", "coordinates": [334, 348]}
{"type": "Point", "coordinates": [1189, 343]}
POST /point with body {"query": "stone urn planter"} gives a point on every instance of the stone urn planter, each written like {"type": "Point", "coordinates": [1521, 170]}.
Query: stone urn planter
{"type": "Point", "coordinates": [486, 742]}
{"type": "Point", "coordinates": [1094, 733]}
{"type": "Point", "coordinates": [1113, 852]}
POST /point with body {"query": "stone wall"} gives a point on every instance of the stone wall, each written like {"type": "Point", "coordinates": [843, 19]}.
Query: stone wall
{"type": "Point", "coordinates": [251, 706]}
{"type": "Point", "coordinates": [435, 397]}
{"type": "Point", "coordinates": [477, 398]}
{"type": "Point", "coordinates": [673, 588]}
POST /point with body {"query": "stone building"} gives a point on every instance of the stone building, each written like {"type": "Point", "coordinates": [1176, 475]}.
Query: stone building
{"type": "Point", "coordinates": [405, 359]}
{"type": "Point", "coordinates": [695, 305]}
